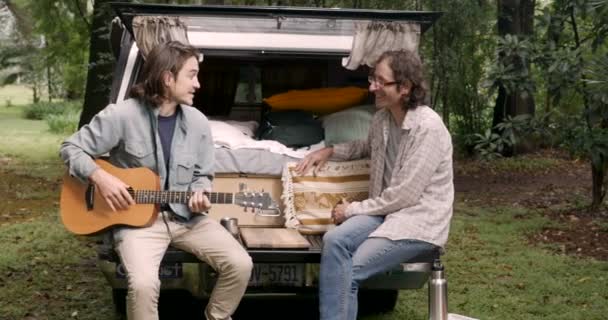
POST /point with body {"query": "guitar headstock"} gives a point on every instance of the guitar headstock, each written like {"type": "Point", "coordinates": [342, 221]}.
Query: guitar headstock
{"type": "Point", "coordinates": [255, 200]}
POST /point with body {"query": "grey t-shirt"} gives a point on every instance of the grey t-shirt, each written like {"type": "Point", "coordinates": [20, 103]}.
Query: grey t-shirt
{"type": "Point", "coordinates": [166, 127]}
{"type": "Point", "coordinates": [392, 148]}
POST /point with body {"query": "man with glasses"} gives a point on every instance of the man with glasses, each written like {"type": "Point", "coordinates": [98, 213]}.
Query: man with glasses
{"type": "Point", "coordinates": [411, 189]}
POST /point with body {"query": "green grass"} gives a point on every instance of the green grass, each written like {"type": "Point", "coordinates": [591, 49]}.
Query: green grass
{"type": "Point", "coordinates": [46, 273]}
{"type": "Point", "coordinates": [15, 95]}
{"type": "Point", "coordinates": [525, 163]}
{"type": "Point", "coordinates": [493, 273]}
{"type": "Point", "coordinates": [28, 145]}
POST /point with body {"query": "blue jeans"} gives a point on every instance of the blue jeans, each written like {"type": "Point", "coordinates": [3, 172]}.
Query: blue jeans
{"type": "Point", "coordinates": [349, 257]}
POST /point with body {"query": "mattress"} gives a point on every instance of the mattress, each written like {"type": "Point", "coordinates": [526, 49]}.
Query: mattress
{"type": "Point", "coordinates": [250, 161]}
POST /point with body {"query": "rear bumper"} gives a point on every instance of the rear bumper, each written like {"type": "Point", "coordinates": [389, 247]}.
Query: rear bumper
{"type": "Point", "coordinates": [199, 278]}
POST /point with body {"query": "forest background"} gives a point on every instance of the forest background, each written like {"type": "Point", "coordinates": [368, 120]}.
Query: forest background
{"type": "Point", "coordinates": [521, 84]}
{"type": "Point", "coordinates": [508, 76]}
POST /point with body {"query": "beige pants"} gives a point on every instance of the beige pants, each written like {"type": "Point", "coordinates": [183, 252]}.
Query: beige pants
{"type": "Point", "coordinates": [141, 251]}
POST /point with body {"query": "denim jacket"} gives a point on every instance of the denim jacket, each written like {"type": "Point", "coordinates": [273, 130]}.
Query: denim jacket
{"type": "Point", "coordinates": [128, 131]}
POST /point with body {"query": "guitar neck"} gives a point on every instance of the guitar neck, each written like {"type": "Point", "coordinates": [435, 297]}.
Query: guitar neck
{"type": "Point", "coordinates": [161, 197]}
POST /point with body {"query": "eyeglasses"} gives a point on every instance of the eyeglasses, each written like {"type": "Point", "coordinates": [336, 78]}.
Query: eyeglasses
{"type": "Point", "coordinates": [379, 82]}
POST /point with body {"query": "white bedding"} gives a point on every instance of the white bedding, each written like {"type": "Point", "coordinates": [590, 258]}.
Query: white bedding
{"type": "Point", "coordinates": [250, 161]}
{"type": "Point", "coordinates": [240, 135]}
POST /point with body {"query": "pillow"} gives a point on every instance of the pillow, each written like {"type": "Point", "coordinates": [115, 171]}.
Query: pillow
{"type": "Point", "coordinates": [293, 128]}
{"type": "Point", "coordinates": [348, 125]}
{"type": "Point", "coordinates": [246, 127]}
{"type": "Point", "coordinates": [229, 136]}
{"type": "Point", "coordinates": [309, 199]}
{"type": "Point", "coordinates": [320, 101]}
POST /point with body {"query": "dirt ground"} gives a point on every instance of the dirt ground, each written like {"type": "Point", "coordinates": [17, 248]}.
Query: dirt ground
{"type": "Point", "coordinates": [560, 192]}
{"type": "Point", "coordinates": [25, 197]}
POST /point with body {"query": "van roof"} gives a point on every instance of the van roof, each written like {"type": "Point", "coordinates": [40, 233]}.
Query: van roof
{"type": "Point", "coordinates": [126, 12]}
{"type": "Point", "coordinates": [271, 29]}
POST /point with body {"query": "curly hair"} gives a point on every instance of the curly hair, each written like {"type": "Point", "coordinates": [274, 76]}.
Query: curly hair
{"type": "Point", "coordinates": [168, 56]}
{"type": "Point", "coordinates": [407, 66]}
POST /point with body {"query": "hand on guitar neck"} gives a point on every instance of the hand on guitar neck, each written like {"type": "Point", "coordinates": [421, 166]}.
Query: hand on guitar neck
{"type": "Point", "coordinates": [116, 195]}
{"type": "Point", "coordinates": [199, 202]}
{"type": "Point", "coordinates": [112, 190]}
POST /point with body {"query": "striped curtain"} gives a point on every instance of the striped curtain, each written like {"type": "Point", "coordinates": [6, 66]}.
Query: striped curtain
{"type": "Point", "coordinates": [374, 38]}
{"type": "Point", "coordinates": [150, 31]}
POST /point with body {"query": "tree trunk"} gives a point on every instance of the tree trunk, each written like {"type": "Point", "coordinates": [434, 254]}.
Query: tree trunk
{"type": "Point", "coordinates": [598, 190]}
{"type": "Point", "coordinates": [49, 86]}
{"type": "Point", "coordinates": [35, 97]}
{"type": "Point", "coordinates": [97, 94]}
{"type": "Point", "coordinates": [515, 17]}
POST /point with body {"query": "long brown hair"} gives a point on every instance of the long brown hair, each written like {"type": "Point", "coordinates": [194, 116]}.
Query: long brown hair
{"type": "Point", "coordinates": [407, 66]}
{"type": "Point", "coordinates": [168, 56]}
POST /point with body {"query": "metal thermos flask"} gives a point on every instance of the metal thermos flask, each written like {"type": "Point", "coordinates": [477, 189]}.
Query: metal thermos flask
{"type": "Point", "coordinates": [232, 225]}
{"type": "Point", "coordinates": [438, 293]}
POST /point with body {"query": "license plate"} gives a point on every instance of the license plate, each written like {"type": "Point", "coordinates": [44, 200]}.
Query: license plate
{"type": "Point", "coordinates": [166, 271]}
{"type": "Point", "coordinates": [277, 274]}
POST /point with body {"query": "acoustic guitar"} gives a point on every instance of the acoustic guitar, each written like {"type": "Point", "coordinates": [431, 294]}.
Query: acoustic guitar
{"type": "Point", "coordinates": [85, 212]}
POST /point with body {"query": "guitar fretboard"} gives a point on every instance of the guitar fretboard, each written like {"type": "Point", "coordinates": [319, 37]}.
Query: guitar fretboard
{"type": "Point", "coordinates": [150, 196]}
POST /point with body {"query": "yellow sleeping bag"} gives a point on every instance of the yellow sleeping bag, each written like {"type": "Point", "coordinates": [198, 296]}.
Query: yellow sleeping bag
{"type": "Point", "coordinates": [319, 101]}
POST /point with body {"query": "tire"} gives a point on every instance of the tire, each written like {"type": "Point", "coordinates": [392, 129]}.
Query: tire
{"type": "Point", "coordinates": [377, 301]}
{"type": "Point", "coordinates": [119, 298]}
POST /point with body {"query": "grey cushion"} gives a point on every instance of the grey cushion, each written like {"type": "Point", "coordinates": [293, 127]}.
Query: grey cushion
{"type": "Point", "coordinates": [348, 125]}
{"type": "Point", "coordinates": [293, 128]}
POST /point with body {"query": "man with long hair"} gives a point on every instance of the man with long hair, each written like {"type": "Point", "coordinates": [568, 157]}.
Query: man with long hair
{"type": "Point", "coordinates": [159, 130]}
{"type": "Point", "coordinates": [411, 189]}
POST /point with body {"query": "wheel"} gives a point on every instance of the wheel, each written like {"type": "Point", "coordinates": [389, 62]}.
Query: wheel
{"type": "Point", "coordinates": [377, 301]}
{"type": "Point", "coordinates": [171, 304]}
{"type": "Point", "coordinates": [119, 298]}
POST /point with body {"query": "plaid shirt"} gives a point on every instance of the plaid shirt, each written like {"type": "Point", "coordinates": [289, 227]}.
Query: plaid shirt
{"type": "Point", "coordinates": [417, 204]}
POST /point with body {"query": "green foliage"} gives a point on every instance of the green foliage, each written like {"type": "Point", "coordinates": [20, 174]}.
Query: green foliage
{"type": "Point", "coordinates": [11, 63]}
{"type": "Point", "coordinates": [20, 61]}
{"type": "Point", "coordinates": [489, 145]}
{"type": "Point", "coordinates": [510, 69]}
{"type": "Point", "coordinates": [66, 40]}
{"type": "Point", "coordinates": [61, 117]}
{"type": "Point", "coordinates": [509, 133]}
{"type": "Point", "coordinates": [64, 123]}
{"type": "Point", "coordinates": [53, 50]}
{"type": "Point", "coordinates": [457, 50]}
{"type": "Point", "coordinates": [39, 110]}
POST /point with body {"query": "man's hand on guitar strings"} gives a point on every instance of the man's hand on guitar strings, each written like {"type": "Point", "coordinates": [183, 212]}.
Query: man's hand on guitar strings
{"type": "Point", "coordinates": [199, 202]}
{"type": "Point", "coordinates": [112, 189]}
